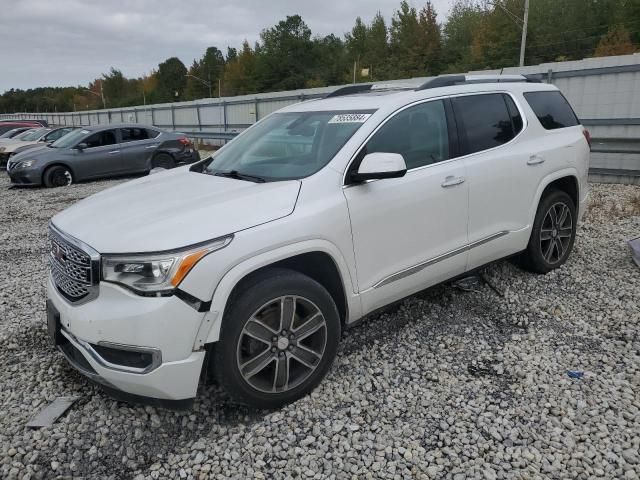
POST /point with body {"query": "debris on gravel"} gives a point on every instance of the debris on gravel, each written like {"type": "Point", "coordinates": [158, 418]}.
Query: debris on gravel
{"type": "Point", "coordinates": [446, 384]}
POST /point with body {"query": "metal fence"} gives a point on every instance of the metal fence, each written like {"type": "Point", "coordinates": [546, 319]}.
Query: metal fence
{"type": "Point", "coordinates": [605, 93]}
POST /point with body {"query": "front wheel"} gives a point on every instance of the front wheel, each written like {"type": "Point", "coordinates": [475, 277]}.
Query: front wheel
{"type": "Point", "coordinates": [553, 233]}
{"type": "Point", "coordinates": [57, 176]}
{"type": "Point", "coordinates": [279, 337]}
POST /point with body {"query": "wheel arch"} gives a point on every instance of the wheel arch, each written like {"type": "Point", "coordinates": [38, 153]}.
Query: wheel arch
{"type": "Point", "coordinates": [319, 261]}
{"type": "Point", "coordinates": [565, 180]}
{"type": "Point", "coordinates": [58, 164]}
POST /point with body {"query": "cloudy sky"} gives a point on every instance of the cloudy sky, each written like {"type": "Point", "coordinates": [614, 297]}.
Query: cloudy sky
{"type": "Point", "coordinates": [71, 42]}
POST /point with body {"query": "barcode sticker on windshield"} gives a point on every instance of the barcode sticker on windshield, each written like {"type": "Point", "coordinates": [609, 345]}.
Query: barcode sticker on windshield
{"type": "Point", "coordinates": [350, 118]}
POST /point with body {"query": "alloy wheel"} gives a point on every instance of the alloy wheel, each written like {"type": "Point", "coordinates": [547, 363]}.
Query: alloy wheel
{"type": "Point", "coordinates": [556, 232]}
{"type": "Point", "coordinates": [61, 178]}
{"type": "Point", "coordinates": [282, 344]}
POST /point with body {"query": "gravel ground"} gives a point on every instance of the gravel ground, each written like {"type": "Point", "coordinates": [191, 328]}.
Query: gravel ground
{"type": "Point", "coordinates": [449, 384]}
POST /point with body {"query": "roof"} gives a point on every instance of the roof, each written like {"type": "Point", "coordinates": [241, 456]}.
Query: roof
{"type": "Point", "coordinates": [106, 126]}
{"type": "Point", "coordinates": [396, 98]}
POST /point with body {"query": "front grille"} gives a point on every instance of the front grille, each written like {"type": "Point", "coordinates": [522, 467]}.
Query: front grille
{"type": "Point", "coordinates": [4, 158]}
{"type": "Point", "coordinates": [71, 268]}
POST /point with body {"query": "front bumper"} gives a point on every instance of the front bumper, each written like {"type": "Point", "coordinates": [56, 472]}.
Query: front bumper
{"type": "Point", "coordinates": [165, 325]}
{"type": "Point", "coordinates": [25, 176]}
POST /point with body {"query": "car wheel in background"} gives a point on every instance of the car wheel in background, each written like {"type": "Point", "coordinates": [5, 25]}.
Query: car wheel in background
{"type": "Point", "coordinates": [553, 233]}
{"type": "Point", "coordinates": [279, 337]}
{"type": "Point", "coordinates": [57, 176]}
{"type": "Point", "coordinates": [163, 160]}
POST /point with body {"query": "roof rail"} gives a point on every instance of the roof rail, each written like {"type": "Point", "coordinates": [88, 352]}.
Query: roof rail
{"type": "Point", "coordinates": [348, 90]}
{"type": "Point", "coordinates": [371, 87]}
{"type": "Point", "coordinates": [451, 80]}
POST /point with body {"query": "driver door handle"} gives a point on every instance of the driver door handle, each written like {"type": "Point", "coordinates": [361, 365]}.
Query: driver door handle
{"type": "Point", "coordinates": [535, 160]}
{"type": "Point", "coordinates": [114, 151]}
{"type": "Point", "coordinates": [451, 181]}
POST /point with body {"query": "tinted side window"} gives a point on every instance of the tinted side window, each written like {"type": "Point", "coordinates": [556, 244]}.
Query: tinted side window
{"type": "Point", "coordinates": [486, 120]}
{"type": "Point", "coordinates": [133, 134]}
{"type": "Point", "coordinates": [419, 134]}
{"type": "Point", "coordinates": [101, 139]}
{"type": "Point", "coordinates": [552, 109]}
{"type": "Point", "coordinates": [152, 133]}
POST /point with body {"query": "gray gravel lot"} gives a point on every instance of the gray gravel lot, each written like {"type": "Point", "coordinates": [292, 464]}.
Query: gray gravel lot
{"type": "Point", "coordinates": [449, 384]}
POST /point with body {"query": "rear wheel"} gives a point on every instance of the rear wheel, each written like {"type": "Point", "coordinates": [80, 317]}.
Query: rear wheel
{"type": "Point", "coordinates": [57, 176]}
{"type": "Point", "coordinates": [279, 337]}
{"type": "Point", "coordinates": [553, 233]}
{"type": "Point", "coordinates": [163, 160]}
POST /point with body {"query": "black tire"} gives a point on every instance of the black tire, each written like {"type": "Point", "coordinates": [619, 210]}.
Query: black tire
{"type": "Point", "coordinates": [263, 294]}
{"type": "Point", "coordinates": [57, 176]}
{"type": "Point", "coordinates": [551, 243]}
{"type": "Point", "coordinates": [163, 160]}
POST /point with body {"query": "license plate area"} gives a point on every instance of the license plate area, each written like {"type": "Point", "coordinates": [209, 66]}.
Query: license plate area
{"type": "Point", "coordinates": [53, 323]}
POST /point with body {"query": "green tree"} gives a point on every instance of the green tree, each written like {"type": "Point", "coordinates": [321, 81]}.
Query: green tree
{"type": "Point", "coordinates": [376, 56]}
{"type": "Point", "coordinates": [407, 56]}
{"type": "Point", "coordinates": [172, 80]}
{"type": "Point", "coordinates": [285, 55]}
{"type": "Point", "coordinates": [240, 72]}
{"type": "Point", "coordinates": [430, 39]}
{"type": "Point", "coordinates": [356, 44]}
{"type": "Point", "coordinates": [464, 18]}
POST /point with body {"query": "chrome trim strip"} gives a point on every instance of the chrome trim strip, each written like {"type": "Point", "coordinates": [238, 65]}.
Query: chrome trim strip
{"type": "Point", "coordinates": [156, 355]}
{"type": "Point", "coordinates": [427, 263]}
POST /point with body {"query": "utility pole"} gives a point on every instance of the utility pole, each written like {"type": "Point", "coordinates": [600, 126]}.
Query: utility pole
{"type": "Point", "coordinates": [523, 42]}
{"type": "Point", "coordinates": [219, 88]}
{"type": "Point", "coordinates": [209, 79]}
{"type": "Point", "coordinates": [104, 104]}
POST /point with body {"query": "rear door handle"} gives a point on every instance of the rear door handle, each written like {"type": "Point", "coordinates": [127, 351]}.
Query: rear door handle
{"type": "Point", "coordinates": [535, 160]}
{"type": "Point", "coordinates": [452, 181]}
{"type": "Point", "coordinates": [151, 146]}
{"type": "Point", "coordinates": [114, 151]}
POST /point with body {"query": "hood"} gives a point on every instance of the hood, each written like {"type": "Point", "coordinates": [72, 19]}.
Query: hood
{"type": "Point", "coordinates": [9, 147]}
{"type": "Point", "coordinates": [174, 209]}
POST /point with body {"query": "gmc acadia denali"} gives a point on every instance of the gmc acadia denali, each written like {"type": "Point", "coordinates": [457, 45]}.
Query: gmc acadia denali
{"type": "Point", "coordinates": [249, 264]}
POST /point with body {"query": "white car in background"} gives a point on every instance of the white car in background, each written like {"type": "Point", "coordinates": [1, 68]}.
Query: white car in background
{"type": "Point", "coordinates": [251, 262]}
{"type": "Point", "coordinates": [30, 139]}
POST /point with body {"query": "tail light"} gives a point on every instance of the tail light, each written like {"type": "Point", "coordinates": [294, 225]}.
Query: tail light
{"type": "Point", "coordinates": [185, 141]}
{"type": "Point", "coordinates": [587, 136]}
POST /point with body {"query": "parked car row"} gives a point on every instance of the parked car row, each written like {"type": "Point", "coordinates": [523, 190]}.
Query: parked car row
{"type": "Point", "coordinates": [58, 157]}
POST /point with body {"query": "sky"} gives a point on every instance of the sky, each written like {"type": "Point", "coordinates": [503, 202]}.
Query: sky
{"type": "Point", "coordinates": [72, 42]}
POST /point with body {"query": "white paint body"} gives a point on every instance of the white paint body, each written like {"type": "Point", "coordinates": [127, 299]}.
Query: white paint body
{"type": "Point", "coordinates": [375, 232]}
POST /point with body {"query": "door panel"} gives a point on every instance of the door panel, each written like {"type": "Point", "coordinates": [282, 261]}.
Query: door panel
{"type": "Point", "coordinates": [503, 174]}
{"type": "Point", "coordinates": [137, 149]}
{"type": "Point", "coordinates": [408, 223]}
{"type": "Point", "coordinates": [410, 232]}
{"type": "Point", "coordinates": [101, 157]}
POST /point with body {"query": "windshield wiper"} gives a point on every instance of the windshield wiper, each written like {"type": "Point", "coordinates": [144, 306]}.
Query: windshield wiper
{"type": "Point", "coordinates": [240, 176]}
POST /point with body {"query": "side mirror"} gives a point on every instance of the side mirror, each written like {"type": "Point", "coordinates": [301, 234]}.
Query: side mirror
{"type": "Point", "coordinates": [381, 165]}
{"type": "Point", "coordinates": [81, 146]}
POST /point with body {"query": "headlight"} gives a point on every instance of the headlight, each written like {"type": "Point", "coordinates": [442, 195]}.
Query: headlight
{"type": "Point", "coordinates": [24, 164]}
{"type": "Point", "coordinates": [156, 273]}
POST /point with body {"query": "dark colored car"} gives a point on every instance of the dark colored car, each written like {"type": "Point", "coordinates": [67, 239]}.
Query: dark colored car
{"type": "Point", "coordinates": [41, 123]}
{"type": "Point", "coordinates": [101, 151]}
{"type": "Point", "coordinates": [6, 126]}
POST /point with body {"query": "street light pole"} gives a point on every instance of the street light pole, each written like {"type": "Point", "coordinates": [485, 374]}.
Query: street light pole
{"type": "Point", "coordinates": [523, 41]}
{"type": "Point", "coordinates": [204, 82]}
{"type": "Point", "coordinates": [521, 22]}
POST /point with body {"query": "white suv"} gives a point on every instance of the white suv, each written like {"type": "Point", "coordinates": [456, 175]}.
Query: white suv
{"type": "Point", "coordinates": [250, 263]}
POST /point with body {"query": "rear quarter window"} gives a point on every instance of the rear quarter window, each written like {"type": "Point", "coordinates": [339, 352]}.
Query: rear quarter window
{"type": "Point", "coordinates": [552, 109]}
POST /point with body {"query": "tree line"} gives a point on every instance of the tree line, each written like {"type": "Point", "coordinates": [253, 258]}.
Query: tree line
{"type": "Point", "coordinates": [477, 35]}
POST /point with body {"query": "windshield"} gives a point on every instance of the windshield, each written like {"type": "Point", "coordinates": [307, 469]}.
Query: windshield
{"type": "Point", "coordinates": [21, 136]}
{"type": "Point", "coordinates": [11, 133]}
{"type": "Point", "coordinates": [288, 145]}
{"type": "Point", "coordinates": [71, 139]}
{"type": "Point", "coordinates": [34, 134]}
